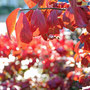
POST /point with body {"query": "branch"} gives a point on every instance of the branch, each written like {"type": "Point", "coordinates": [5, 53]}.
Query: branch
{"type": "Point", "coordinates": [43, 9]}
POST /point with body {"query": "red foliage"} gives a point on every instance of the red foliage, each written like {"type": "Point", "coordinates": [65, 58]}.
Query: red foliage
{"type": "Point", "coordinates": [32, 3]}
{"type": "Point", "coordinates": [47, 23]}
{"type": "Point", "coordinates": [23, 32]}
{"type": "Point", "coordinates": [38, 21]}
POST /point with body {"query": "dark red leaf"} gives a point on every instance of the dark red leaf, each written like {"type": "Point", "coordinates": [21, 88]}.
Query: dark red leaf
{"type": "Point", "coordinates": [23, 32]}
{"type": "Point", "coordinates": [79, 14]}
{"type": "Point", "coordinates": [88, 27]}
{"type": "Point", "coordinates": [38, 21]}
{"type": "Point", "coordinates": [52, 19]}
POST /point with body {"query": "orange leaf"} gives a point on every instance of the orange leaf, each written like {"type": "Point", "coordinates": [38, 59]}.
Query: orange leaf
{"type": "Point", "coordinates": [23, 32]}
{"type": "Point", "coordinates": [52, 1]}
{"type": "Point", "coordinates": [11, 21]}
{"type": "Point", "coordinates": [36, 33]}
{"type": "Point", "coordinates": [77, 47]}
{"type": "Point", "coordinates": [32, 3]}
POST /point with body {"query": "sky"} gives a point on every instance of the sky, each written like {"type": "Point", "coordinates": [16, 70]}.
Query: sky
{"type": "Point", "coordinates": [63, 1]}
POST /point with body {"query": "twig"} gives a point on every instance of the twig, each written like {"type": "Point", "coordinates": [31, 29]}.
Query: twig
{"type": "Point", "coordinates": [43, 8]}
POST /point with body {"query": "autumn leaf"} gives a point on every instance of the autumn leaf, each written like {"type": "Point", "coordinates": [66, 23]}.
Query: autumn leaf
{"type": "Point", "coordinates": [76, 49]}
{"type": "Point", "coordinates": [46, 13]}
{"type": "Point", "coordinates": [81, 20]}
{"type": "Point", "coordinates": [88, 27]}
{"type": "Point", "coordinates": [11, 21]}
{"type": "Point", "coordinates": [85, 60]}
{"type": "Point", "coordinates": [87, 11]}
{"type": "Point", "coordinates": [23, 32]}
{"type": "Point", "coordinates": [79, 14]}
{"type": "Point", "coordinates": [32, 3]}
{"type": "Point", "coordinates": [52, 19]}
{"type": "Point", "coordinates": [63, 5]}
{"type": "Point", "coordinates": [52, 1]}
{"type": "Point", "coordinates": [69, 19]}
{"type": "Point", "coordinates": [29, 15]}
{"type": "Point", "coordinates": [36, 33]}
{"type": "Point", "coordinates": [38, 21]}
{"type": "Point", "coordinates": [85, 38]}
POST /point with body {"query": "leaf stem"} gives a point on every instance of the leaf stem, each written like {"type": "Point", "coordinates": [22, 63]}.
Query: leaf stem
{"type": "Point", "coordinates": [43, 8]}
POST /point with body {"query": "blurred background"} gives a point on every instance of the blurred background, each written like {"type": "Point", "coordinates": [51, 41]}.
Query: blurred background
{"type": "Point", "coordinates": [6, 6]}
{"type": "Point", "coordinates": [33, 68]}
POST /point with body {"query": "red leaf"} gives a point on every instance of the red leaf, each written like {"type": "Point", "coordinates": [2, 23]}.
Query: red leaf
{"type": "Point", "coordinates": [79, 14]}
{"type": "Point", "coordinates": [23, 32]}
{"type": "Point", "coordinates": [46, 13]}
{"type": "Point", "coordinates": [63, 5]}
{"type": "Point", "coordinates": [52, 1]}
{"type": "Point", "coordinates": [69, 19]}
{"type": "Point", "coordinates": [88, 27]}
{"type": "Point", "coordinates": [68, 16]}
{"type": "Point", "coordinates": [84, 61]}
{"type": "Point", "coordinates": [11, 21]}
{"type": "Point", "coordinates": [52, 19]}
{"type": "Point", "coordinates": [85, 38]}
{"type": "Point", "coordinates": [29, 15]}
{"type": "Point", "coordinates": [38, 21]}
{"type": "Point", "coordinates": [80, 17]}
{"type": "Point", "coordinates": [73, 3]}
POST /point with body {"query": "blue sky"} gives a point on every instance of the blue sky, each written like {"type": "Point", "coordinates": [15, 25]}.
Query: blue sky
{"type": "Point", "coordinates": [63, 0]}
